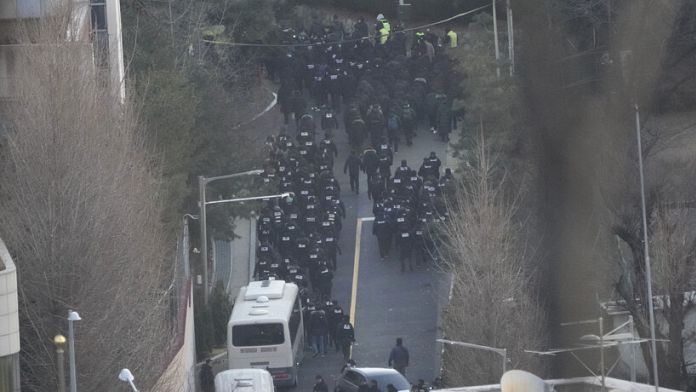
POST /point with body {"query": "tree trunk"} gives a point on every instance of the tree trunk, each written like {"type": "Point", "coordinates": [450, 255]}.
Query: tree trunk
{"type": "Point", "coordinates": [673, 369]}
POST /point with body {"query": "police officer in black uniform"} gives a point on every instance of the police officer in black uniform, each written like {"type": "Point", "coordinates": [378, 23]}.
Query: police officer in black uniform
{"type": "Point", "coordinates": [345, 337]}
{"type": "Point", "coordinates": [381, 228]}
{"type": "Point", "coordinates": [370, 165]}
{"type": "Point", "coordinates": [352, 166]}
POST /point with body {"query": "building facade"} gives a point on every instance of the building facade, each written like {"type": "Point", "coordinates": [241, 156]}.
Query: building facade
{"type": "Point", "coordinates": [9, 323]}
{"type": "Point", "coordinates": [96, 21]}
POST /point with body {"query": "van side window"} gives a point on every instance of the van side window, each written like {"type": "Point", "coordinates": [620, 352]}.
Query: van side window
{"type": "Point", "coordinates": [295, 318]}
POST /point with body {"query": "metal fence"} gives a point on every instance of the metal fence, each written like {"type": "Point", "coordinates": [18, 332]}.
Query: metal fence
{"type": "Point", "coordinates": [180, 288]}
{"type": "Point", "coordinates": [178, 373]}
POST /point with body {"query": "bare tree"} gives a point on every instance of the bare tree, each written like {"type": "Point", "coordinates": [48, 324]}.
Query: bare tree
{"type": "Point", "coordinates": [82, 216]}
{"type": "Point", "coordinates": [673, 255]}
{"type": "Point", "coordinates": [492, 262]}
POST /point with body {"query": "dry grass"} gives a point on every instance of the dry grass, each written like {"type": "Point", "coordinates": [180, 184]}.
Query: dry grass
{"type": "Point", "coordinates": [81, 214]}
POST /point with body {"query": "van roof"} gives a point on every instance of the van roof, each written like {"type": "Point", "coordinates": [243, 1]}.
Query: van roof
{"type": "Point", "coordinates": [272, 289]}
{"type": "Point", "coordinates": [264, 301]}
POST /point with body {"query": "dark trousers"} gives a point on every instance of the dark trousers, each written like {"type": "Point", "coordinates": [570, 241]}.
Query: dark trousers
{"type": "Point", "coordinates": [394, 141]}
{"type": "Point", "coordinates": [354, 182]}
{"type": "Point", "coordinates": [385, 171]}
{"type": "Point", "coordinates": [384, 242]}
{"type": "Point", "coordinates": [369, 185]}
{"type": "Point", "coordinates": [333, 341]}
{"type": "Point", "coordinates": [405, 253]}
{"type": "Point", "coordinates": [345, 349]}
{"type": "Point", "coordinates": [409, 136]}
{"type": "Point", "coordinates": [336, 102]}
{"type": "Point", "coordinates": [332, 260]}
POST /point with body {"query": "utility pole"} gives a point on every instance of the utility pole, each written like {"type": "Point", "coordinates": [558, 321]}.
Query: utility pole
{"type": "Point", "coordinates": [601, 353]}
{"type": "Point", "coordinates": [204, 236]}
{"type": "Point", "coordinates": [72, 317]}
{"type": "Point", "coordinates": [633, 351]}
{"type": "Point", "coordinates": [646, 251]}
{"type": "Point", "coordinates": [59, 341]}
{"type": "Point", "coordinates": [495, 36]}
{"type": "Point", "coordinates": [202, 183]}
{"type": "Point", "coordinates": [511, 39]}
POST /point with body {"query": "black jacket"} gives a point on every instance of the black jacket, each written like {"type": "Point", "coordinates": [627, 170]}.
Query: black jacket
{"type": "Point", "coordinates": [320, 387]}
{"type": "Point", "coordinates": [352, 165]}
{"type": "Point", "coordinates": [370, 161]}
{"type": "Point", "coordinates": [345, 333]}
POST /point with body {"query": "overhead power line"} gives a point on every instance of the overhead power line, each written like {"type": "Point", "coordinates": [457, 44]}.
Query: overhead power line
{"type": "Point", "coordinates": [371, 36]}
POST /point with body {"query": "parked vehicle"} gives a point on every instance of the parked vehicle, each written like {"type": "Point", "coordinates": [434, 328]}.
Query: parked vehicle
{"type": "Point", "coordinates": [266, 330]}
{"type": "Point", "coordinates": [353, 377]}
{"type": "Point", "coordinates": [244, 380]}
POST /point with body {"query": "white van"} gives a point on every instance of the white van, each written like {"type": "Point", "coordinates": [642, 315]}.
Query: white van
{"type": "Point", "coordinates": [266, 330]}
{"type": "Point", "coordinates": [244, 380]}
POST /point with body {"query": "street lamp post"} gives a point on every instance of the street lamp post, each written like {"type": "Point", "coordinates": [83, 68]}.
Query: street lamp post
{"type": "Point", "coordinates": [72, 317]}
{"type": "Point", "coordinates": [202, 182]}
{"type": "Point", "coordinates": [59, 341]}
{"type": "Point", "coordinates": [500, 351]}
{"type": "Point", "coordinates": [646, 251]}
{"type": "Point", "coordinates": [633, 350]}
{"type": "Point", "coordinates": [511, 39]}
{"type": "Point", "coordinates": [125, 375]}
{"type": "Point", "coordinates": [495, 36]}
{"type": "Point", "coordinates": [601, 353]}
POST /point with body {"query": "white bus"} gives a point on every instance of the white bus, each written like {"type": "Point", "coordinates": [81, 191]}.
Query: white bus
{"type": "Point", "coordinates": [266, 330]}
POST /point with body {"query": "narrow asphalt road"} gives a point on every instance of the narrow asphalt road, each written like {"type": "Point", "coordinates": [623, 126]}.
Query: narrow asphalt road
{"type": "Point", "coordinates": [389, 304]}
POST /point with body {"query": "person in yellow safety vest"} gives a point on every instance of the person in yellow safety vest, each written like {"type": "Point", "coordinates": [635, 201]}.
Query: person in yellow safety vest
{"type": "Point", "coordinates": [451, 37]}
{"type": "Point", "coordinates": [383, 28]}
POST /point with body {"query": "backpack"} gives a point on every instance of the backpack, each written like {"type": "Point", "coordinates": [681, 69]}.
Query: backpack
{"type": "Point", "coordinates": [393, 122]}
{"type": "Point", "coordinates": [407, 115]}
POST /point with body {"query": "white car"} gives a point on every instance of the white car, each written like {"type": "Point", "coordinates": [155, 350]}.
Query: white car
{"type": "Point", "coordinates": [244, 380]}
{"type": "Point", "coordinates": [352, 378]}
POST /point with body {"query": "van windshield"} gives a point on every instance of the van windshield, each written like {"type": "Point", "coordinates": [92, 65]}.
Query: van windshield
{"type": "Point", "coordinates": [257, 335]}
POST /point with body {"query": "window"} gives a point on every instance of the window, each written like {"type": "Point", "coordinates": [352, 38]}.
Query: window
{"type": "Point", "coordinates": [295, 318]}
{"type": "Point", "coordinates": [29, 8]}
{"type": "Point", "coordinates": [396, 380]}
{"type": "Point", "coordinates": [100, 34]}
{"type": "Point", "coordinates": [354, 378]}
{"type": "Point", "coordinates": [98, 16]}
{"type": "Point", "coordinates": [257, 335]}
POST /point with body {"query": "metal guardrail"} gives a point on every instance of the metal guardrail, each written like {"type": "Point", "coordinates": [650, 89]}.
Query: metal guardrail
{"type": "Point", "coordinates": [178, 295]}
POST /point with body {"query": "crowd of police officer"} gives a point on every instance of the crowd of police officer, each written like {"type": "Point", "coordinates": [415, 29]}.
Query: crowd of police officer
{"type": "Point", "coordinates": [386, 94]}
{"type": "Point", "coordinates": [298, 235]}
{"type": "Point", "coordinates": [408, 207]}
{"type": "Point", "coordinates": [389, 84]}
